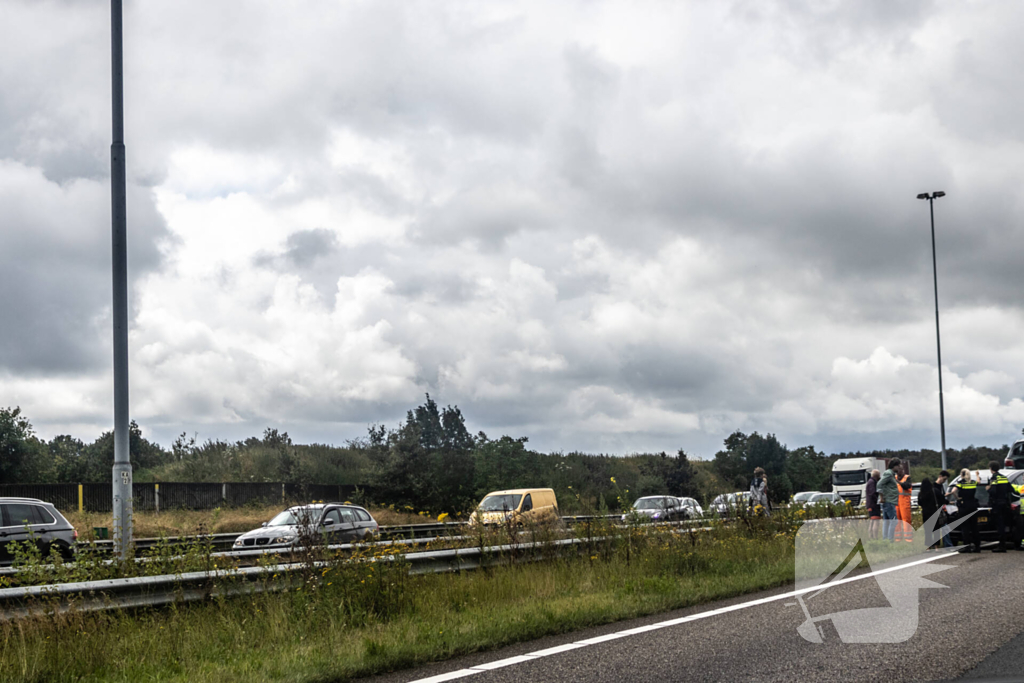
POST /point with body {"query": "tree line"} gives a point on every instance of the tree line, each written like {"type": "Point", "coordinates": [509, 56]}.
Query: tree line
{"type": "Point", "coordinates": [431, 462]}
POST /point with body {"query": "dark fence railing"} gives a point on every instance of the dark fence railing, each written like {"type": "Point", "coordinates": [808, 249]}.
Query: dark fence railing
{"type": "Point", "coordinates": [184, 495]}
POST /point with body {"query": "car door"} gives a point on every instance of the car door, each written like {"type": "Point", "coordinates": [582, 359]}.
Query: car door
{"type": "Point", "coordinates": [331, 526]}
{"type": "Point", "coordinates": [5, 536]}
{"type": "Point", "coordinates": [364, 525]}
{"type": "Point", "coordinates": [18, 521]}
{"type": "Point", "coordinates": [526, 511]}
{"type": "Point", "coordinates": [348, 529]}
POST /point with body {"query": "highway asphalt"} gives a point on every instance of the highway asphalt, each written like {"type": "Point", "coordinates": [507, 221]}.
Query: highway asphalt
{"type": "Point", "coordinates": [972, 630]}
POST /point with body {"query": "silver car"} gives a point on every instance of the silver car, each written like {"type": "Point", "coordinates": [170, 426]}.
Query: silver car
{"type": "Point", "coordinates": [334, 522]}
{"type": "Point", "coordinates": [31, 519]}
{"type": "Point", "coordinates": [658, 508]}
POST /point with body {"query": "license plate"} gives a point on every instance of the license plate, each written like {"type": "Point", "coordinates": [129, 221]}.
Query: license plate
{"type": "Point", "coordinates": [982, 519]}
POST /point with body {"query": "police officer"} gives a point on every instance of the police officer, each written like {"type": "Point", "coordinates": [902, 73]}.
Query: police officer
{"type": "Point", "coordinates": [999, 498]}
{"type": "Point", "coordinates": [1018, 534]}
{"type": "Point", "coordinates": [967, 507]}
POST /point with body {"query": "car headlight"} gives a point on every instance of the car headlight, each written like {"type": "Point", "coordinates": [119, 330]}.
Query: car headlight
{"type": "Point", "coordinates": [237, 543]}
{"type": "Point", "coordinates": [657, 515]}
{"type": "Point", "coordinates": [283, 539]}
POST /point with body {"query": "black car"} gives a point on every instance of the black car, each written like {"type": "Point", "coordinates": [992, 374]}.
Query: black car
{"type": "Point", "coordinates": [986, 522]}
{"type": "Point", "coordinates": [25, 519]}
{"type": "Point", "coordinates": [1015, 456]}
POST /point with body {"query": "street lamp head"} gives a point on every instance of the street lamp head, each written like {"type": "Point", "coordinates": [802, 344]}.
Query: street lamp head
{"type": "Point", "coordinates": [938, 194]}
{"type": "Point", "coordinates": [924, 195]}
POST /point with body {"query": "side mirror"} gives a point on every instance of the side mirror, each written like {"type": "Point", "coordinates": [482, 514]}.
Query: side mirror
{"type": "Point", "coordinates": [264, 524]}
{"type": "Point", "coordinates": [328, 522]}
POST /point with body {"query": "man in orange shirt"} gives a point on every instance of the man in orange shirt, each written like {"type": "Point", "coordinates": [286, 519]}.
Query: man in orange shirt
{"type": "Point", "coordinates": [904, 532]}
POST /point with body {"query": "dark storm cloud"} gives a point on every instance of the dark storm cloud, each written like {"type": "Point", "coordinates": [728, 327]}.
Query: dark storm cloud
{"type": "Point", "coordinates": [54, 192]}
{"type": "Point", "coordinates": [55, 265]}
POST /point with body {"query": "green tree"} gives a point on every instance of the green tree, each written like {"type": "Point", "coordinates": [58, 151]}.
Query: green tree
{"type": "Point", "coordinates": [68, 457]}
{"type": "Point", "coordinates": [22, 454]}
{"type": "Point", "coordinates": [809, 470]}
{"type": "Point", "coordinates": [99, 455]}
{"type": "Point", "coordinates": [744, 453]}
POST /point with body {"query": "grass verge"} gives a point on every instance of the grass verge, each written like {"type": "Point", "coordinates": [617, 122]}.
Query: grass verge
{"type": "Point", "coordinates": [353, 620]}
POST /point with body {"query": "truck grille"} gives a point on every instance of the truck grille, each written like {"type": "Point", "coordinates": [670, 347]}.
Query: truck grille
{"type": "Point", "coordinates": [854, 498]}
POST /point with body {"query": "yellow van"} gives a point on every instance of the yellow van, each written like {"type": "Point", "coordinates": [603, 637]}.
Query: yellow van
{"type": "Point", "coordinates": [517, 506]}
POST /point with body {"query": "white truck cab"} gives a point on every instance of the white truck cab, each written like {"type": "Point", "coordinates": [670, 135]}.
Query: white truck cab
{"type": "Point", "coordinates": [850, 477]}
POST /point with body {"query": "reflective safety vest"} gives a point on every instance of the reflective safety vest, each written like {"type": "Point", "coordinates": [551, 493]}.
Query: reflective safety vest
{"type": "Point", "coordinates": [966, 491]}
{"type": "Point", "coordinates": [999, 491]}
{"type": "Point", "coordinates": [1019, 488]}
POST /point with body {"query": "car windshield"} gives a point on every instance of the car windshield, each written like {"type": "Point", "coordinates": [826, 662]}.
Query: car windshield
{"type": "Point", "coordinates": [293, 517]}
{"type": "Point", "coordinates": [800, 497]}
{"type": "Point", "coordinates": [501, 503]}
{"type": "Point", "coordinates": [821, 498]}
{"type": "Point", "coordinates": [650, 504]}
{"type": "Point", "coordinates": [849, 478]}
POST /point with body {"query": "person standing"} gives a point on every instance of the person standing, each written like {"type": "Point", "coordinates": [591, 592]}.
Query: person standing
{"type": "Point", "coordinates": [1018, 533]}
{"type": "Point", "coordinates": [872, 505]}
{"type": "Point", "coordinates": [942, 493]}
{"type": "Point", "coordinates": [967, 507]}
{"type": "Point", "coordinates": [759, 491]}
{"type": "Point", "coordinates": [888, 496]}
{"type": "Point", "coordinates": [905, 526]}
{"type": "Point", "coordinates": [999, 499]}
{"type": "Point", "coordinates": [928, 501]}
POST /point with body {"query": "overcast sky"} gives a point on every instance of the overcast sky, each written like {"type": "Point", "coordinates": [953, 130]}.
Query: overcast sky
{"type": "Point", "coordinates": [606, 226]}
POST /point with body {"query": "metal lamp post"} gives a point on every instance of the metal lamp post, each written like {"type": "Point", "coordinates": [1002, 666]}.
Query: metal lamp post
{"type": "Point", "coordinates": [931, 197]}
{"type": "Point", "coordinates": [122, 471]}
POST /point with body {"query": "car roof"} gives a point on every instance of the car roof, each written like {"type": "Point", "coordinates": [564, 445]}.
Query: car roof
{"type": "Point", "coordinates": [6, 499]}
{"type": "Point", "coordinates": [318, 506]}
{"type": "Point", "coordinates": [507, 491]}
{"type": "Point", "coordinates": [982, 476]}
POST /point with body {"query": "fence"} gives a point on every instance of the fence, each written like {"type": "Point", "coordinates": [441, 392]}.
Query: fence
{"type": "Point", "coordinates": [183, 495]}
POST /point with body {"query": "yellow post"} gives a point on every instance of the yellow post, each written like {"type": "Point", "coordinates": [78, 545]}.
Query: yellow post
{"type": "Point", "coordinates": [81, 507]}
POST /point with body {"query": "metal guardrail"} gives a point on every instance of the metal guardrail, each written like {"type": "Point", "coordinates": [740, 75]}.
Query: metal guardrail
{"type": "Point", "coordinates": [151, 591]}
{"type": "Point", "coordinates": [191, 586]}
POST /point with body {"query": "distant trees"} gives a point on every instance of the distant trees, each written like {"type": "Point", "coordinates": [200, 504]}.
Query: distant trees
{"type": "Point", "coordinates": [426, 462]}
{"type": "Point", "coordinates": [430, 461]}
{"type": "Point", "coordinates": [744, 453]}
{"type": "Point", "coordinates": [21, 452]}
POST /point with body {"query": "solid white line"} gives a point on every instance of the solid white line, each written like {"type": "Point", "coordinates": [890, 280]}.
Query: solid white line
{"type": "Point", "coordinates": [530, 656]}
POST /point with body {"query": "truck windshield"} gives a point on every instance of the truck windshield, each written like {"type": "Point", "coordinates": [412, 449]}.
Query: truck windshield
{"type": "Point", "coordinates": [850, 478]}
{"type": "Point", "coordinates": [501, 503]}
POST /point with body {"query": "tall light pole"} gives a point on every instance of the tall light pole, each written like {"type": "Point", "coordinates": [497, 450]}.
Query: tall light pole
{"type": "Point", "coordinates": [931, 197]}
{"type": "Point", "coordinates": [122, 472]}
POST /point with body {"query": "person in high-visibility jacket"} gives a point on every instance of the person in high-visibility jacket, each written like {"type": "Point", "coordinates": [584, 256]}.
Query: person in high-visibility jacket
{"type": "Point", "coordinates": [967, 508]}
{"type": "Point", "coordinates": [904, 526]}
{"type": "Point", "coordinates": [1018, 533]}
{"type": "Point", "coordinates": [999, 498]}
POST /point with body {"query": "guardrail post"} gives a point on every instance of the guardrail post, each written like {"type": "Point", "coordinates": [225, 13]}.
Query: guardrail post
{"type": "Point", "coordinates": [156, 496]}
{"type": "Point", "coordinates": [282, 493]}
{"type": "Point", "coordinates": [81, 499]}
{"type": "Point", "coordinates": [223, 494]}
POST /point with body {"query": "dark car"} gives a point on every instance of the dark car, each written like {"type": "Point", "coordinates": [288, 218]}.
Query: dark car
{"type": "Point", "coordinates": [25, 519]}
{"type": "Point", "coordinates": [1015, 456]}
{"type": "Point", "coordinates": [335, 523]}
{"type": "Point", "coordinates": [986, 522]}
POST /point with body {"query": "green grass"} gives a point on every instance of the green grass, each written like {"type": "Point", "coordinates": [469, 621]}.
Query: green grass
{"type": "Point", "coordinates": [357, 620]}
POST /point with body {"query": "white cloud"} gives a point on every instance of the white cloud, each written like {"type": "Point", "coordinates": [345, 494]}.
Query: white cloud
{"type": "Point", "coordinates": [599, 226]}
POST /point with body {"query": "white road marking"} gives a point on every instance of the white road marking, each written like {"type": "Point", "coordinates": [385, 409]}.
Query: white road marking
{"type": "Point", "coordinates": [530, 656]}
